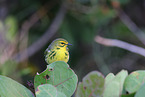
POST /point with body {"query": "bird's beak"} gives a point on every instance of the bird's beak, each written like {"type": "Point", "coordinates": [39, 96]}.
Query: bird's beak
{"type": "Point", "coordinates": [69, 44]}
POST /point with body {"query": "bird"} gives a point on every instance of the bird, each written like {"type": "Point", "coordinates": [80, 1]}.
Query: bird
{"type": "Point", "coordinates": [57, 51]}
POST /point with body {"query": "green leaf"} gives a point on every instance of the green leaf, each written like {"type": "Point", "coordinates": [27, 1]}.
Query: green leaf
{"type": "Point", "coordinates": [114, 84]}
{"type": "Point", "coordinates": [134, 81]}
{"type": "Point", "coordinates": [92, 85]}
{"type": "Point", "coordinates": [128, 95]}
{"type": "Point", "coordinates": [141, 91]}
{"type": "Point", "coordinates": [48, 90]}
{"type": "Point", "coordinates": [109, 77]}
{"type": "Point", "coordinates": [12, 27]}
{"type": "Point", "coordinates": [60, 75]}
{"type": "Point", "coordinates": [9, 67]}
{"type": "Point", "coordinates": [11, 88]}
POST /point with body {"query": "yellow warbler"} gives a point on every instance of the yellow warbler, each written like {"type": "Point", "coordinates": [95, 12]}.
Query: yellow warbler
{"type": "Point", "coordinates": [57, 51]}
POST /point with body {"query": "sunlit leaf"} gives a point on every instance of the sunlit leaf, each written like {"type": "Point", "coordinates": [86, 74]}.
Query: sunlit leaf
{"type": "Point", "coordinates": [11, 88]}
{"type": "Point", "coordinates": [47, 90]}
{"type": "Point", "coordinates": [134, 81]}
{"type": "Point", "coordinates": [141, 91]}
{"type": "Point", "coordinates": [60, 76]}
{"type": "Point", "coordinates": [91, 86]}
{"type": "Point", "coordinates": [114, 84]}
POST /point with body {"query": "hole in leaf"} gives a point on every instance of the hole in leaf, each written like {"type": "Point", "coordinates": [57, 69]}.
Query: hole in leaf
{"type": "Point", "coordinates": [127, 92]}
{"type": "Point", "coordinates": [84, 88]}
{"type": "Point", "coordinates": [50, 69]}
{"type": "Point", "coordinates": [47, 76]}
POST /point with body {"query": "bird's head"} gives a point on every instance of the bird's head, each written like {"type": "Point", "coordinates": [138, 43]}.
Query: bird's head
{"type": "Point", "coordinates": [60, 43]}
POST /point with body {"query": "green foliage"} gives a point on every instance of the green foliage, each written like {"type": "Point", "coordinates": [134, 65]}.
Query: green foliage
{"type": "Point", "coordinates": [9, 26]}
{"type": "Point", "coordinates": [11, 88]}
{"type": "Point", "coordinates": [128, 95]}
{"type": "Point", "coordinates": [83, 21]}
{"type": "Point", "coordinates": [141, 91]}
{"type": "Point", "coordinates": [8, 68]}
{"type": "Point", "coordinates": [92, 85]}
{"type": "Point", "coordinates": [134, 81]}
{"type": "Point", "coordinates": [114, 84]}
{"type": "Point", "coordinates": [119, 30]}
{"type": "Point", "coordinates": [48, 90]}
{"type": "Point", "coordinates": [12, 27]}
{"type": "Point", "coordinates": [59, 75]}
{"type": "Point", "coordinates": [58, 80]}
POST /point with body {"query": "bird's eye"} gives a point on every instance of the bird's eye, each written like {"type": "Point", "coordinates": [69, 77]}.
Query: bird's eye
{"type": "Point", "coordinates": [62, 43]}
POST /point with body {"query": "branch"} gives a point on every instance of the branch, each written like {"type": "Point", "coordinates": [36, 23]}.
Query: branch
{"type": "Point", "coordinates": [23, 33]}
{"type": "Point", "coordinates": [120, 44]}
{"type": "Point", "coordinates": [44, 39]}
{"type": "Point", "coordinates": [131, 26]}
{"type": "Point", "coordinates": [35, 17]}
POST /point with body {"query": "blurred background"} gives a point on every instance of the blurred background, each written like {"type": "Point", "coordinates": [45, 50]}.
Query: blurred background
{"type": "Point", "coordinates": [27, 27]}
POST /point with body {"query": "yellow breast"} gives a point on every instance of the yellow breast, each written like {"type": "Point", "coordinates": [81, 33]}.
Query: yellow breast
{"type": "Point", "coordinates": [57, 55]}
{"type": "Point", "coordinates": [62, 56]}
{"type": "Point", "coordinates": [57, 51]}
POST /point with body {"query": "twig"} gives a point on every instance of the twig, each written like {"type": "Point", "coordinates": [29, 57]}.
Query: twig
{"type": "Point", "coordinates": [35, 17]}
{"type": "Point", "coordinates": [23, 34]}
{"type": "Point", "coordinates": [120, 44]}
{"type": "Point", "coordinates": [131, 26]}
{"type": "Point", "coordinates": [22, 37]}
{"type": "Point", "coordinates": [45, 38]}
